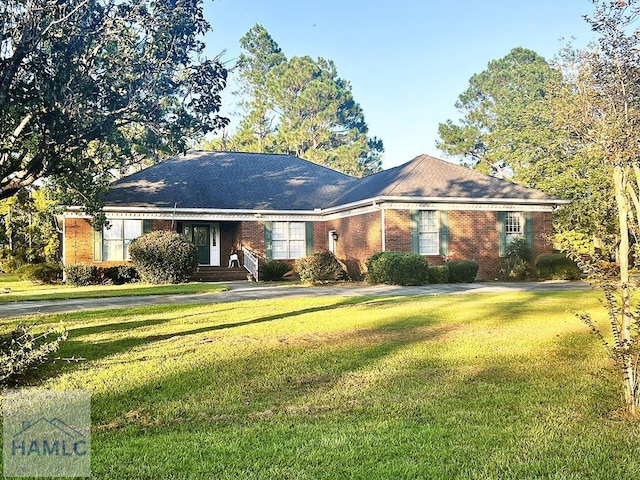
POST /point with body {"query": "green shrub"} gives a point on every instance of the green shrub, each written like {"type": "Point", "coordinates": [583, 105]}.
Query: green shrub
{"type": "Point", "coordinates": [80, 274]}
{"type": "Point", "coordinates": [22, 351]}
{"type": "Point", "coordinates": [164, 257]}
{"type": "Point", "coordinates": [438, 273]}
{"type": "Point", "coordinates": [320, 267]}
{"type": "Point", "coordinates": [462, 271]}
{"type": "Point", "coordinates": [398, 268]}
{"type": "Point", "coordinates": [40, 272]}
{"type": "Point", "coordinates": [273, 271]}
{"type": "Point", "coordinates": [519, 248]}
{"type": "Point", "coordinates": [118, 274]}
{"type": "Point", "coordinates": [556, 266]}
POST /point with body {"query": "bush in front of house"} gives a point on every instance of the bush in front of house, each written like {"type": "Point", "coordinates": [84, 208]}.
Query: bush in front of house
{"type": "Point", "coordinates": [398, 268]}
{"type": "Point", "coordinates": [556, 266]}
{"type": "Point", "coordinates": [273, 271]}
{"type": "Point", "coordinates": [39, 272]}
{"type": "Point", "coordinates": [23, 350]}
{"type": "Point", "coordinates": [118, 274]}
{"type": "Point", "coordinates": [320, 267]}
{"type": "Point", "coordinates": [518, 262]}
{"type": "Point", "coordinates": [438, 274]}
{"type": "Point", "coordinates": [164, 257]}
{"type": "Point", "coordinates": [80, 274]}
{"type": "Point", "coordinates": [462, 271]}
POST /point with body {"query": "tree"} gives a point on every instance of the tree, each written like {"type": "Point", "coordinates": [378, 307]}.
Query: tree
{"type": "Point", "coordinates": [509, 129]}
{"type": "Point", "coordinates": [299, 106]}
{"type": "Point", "coordinates": [504, 115]}
{"type": "Point", "coordinates": [258, 124]}
{"type": "Point", "coordinates": [604, 118]}
{"type": "Point", "coordinates": [27, 228]}
{"type": "Point", "coordinates": [88, 87]}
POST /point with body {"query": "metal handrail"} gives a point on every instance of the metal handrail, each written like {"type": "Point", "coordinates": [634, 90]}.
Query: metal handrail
{"type": "Point", "coordinates": [250, 262]}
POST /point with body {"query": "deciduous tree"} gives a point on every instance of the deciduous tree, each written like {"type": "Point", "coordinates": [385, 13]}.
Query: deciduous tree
{"type": "Point", "coordinates": [90, 86]}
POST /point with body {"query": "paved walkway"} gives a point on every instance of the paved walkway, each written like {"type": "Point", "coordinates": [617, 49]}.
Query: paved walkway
{"type": "Point", "coordinates": [254, 291]}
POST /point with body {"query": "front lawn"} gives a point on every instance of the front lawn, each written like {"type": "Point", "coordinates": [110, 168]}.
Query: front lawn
{"type": "Point", "coordinates": [14, 290]}
{"type": "Point", "coordinates": [457, 386]}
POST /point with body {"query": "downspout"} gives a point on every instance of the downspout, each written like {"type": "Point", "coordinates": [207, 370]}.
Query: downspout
{"type": "Point", "coordinates": [384, 226]}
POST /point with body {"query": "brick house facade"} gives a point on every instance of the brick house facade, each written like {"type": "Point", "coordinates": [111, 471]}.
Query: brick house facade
{"type": "Point", "coordinates": [283, 207]}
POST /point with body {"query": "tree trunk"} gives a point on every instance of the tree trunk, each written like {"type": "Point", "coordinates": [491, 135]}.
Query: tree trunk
{"type": "Point", "coordinates": [629, 373]}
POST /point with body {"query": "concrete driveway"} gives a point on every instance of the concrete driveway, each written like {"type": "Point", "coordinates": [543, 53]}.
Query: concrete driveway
{"type": "Point", "coordinates": [254, 291]}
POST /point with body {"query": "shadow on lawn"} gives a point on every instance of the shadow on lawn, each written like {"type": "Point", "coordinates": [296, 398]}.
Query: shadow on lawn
{"type": "Point", "coordinates": [285, 377]}
{"type": "Point", "coordinates": [92, 351]}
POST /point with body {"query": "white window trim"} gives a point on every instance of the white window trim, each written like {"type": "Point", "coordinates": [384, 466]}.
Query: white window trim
{"type": "Point", "coordinates": [124, 242]}
{"type": "Point", "coordinates": [287, 240]}
{"type": "Point", "coordinates": [511, 236]}
{"type": "Point", "coordinates": [421, 234]}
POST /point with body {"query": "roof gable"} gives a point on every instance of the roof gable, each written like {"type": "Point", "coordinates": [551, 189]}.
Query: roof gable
{"type": "Point", "coordinates": [430, 177]}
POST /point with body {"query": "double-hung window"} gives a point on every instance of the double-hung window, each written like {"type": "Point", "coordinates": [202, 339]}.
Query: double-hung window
{"type": "Point", "coordinates": [288, 240]}
{"type": "Point", "coordinates": [116, 238]}
{"type": "Point", "coordinates": [428, 232]}
{"type": "Point", "coordinates": [513, 226]}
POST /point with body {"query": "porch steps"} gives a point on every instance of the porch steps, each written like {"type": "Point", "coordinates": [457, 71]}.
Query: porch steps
{"type": "Point", "coordinates": [219, 274]}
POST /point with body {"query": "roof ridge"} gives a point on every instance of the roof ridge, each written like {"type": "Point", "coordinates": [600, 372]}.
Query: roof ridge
{"type": "Point", "coordinates": [399, 180]}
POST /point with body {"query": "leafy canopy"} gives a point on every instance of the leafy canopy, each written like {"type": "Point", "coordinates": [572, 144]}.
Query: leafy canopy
{"type": "Point", "coordinates": [89, 87]}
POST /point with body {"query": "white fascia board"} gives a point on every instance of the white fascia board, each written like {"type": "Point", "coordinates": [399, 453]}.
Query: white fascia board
{"type": "Point", "coordinates": [203, 214]}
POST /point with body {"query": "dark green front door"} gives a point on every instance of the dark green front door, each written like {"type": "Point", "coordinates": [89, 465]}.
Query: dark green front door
{"type": "Point", "coordinates": [201, 239]}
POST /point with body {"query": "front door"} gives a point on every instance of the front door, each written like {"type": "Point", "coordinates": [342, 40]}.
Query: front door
{"type": "Point", "coordinates": [201, 238]}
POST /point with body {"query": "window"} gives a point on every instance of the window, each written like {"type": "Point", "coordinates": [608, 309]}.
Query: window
{"type": "Point", "coordinates": [513, 226]}
{"type": "Point", "coordinates": [288, 240]}
{"type": "Point", "coordinates": [116, 238]}
{"type": "Point", "coordinates": [428, 233]}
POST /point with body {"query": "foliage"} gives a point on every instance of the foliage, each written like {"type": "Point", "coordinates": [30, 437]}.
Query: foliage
{"type": "Point", "coordinates": [438, 274]}
{"type": "Point", "coordinates": [273, 271]}
{"type": "Point", "coordinates": [604, 118]}
{"type": "Point", "coordinates": [556, 266]}
{"type": "Point", "coordinates": [320, 267]}
{"type": "Point", "coordinates": [80, 274]}
{"type": "Point", "coordinates": [27, 228]}
{"type": "Point", "coordinates": [462, 271]}
{"type": "Point", "coordinates": [40, 272]}
{"type": "Point", "coordinates": [24, 350]}
{"type": "Point", "coordinates": [300, 106]}
{"type": "Point", "coordinates": [517, 262]}
{"type": "Point", "coordinates": [164, 257]}
{"type": "Point", "coordinates": [505, 114]}
{"type": "Point", "coordinates": [397, 268]}
{"type": "Point", "coordinates": [87, 87]}
{"type": "Point", "coordinates": [118, 274]}
{"type": "Point", "coordinates": [515, 114]}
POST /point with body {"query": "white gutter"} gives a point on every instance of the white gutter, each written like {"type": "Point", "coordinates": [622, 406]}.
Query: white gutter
{"type": "Point", "coordinates": [319, 212]}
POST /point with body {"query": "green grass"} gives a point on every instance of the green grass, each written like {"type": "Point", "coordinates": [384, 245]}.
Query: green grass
{"type": "Point", "coordinates": [17, 290]}
{"type": "Point", "coordinates": [458, 386]}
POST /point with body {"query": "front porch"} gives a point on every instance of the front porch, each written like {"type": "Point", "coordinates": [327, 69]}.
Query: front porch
{"type": "Point", "coordinates": [219, 274]}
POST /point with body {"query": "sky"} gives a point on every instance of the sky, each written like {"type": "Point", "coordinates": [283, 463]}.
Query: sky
{"type": "Point", "coordinates": [407, 60]}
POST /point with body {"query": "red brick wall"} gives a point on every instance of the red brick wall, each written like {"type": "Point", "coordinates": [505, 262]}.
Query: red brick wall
{"type": "Point", "coordinates": [251, 236]}
{"type": "Point", "coordinates": [78, 241]}
{"type": "Point", "coordinates": [359, 237]}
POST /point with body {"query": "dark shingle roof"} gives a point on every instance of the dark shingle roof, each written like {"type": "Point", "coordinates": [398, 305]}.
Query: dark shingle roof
{"type": "Point", "coordinates": [254, 181]}
{"type": "Point", "coordinates": [230, 180]}
{"type": "Point", "coordinates": [430, 177]}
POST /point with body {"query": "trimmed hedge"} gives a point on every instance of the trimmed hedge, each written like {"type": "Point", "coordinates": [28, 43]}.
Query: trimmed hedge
{"type": "Point", "coordinates": [557, 266]}
{"type": "Point", "coordinates": [164, 257]}
{"type": "Point", "coordinates": [320, 267]}
{"type": "Point", "coordinates": [398, 268]}
{"type": "Point", "coordinates": [438, 274]}
{"type": "Point", "coordinates": [273, 271]}
{"type": "Point", "coordinates": [462, 271]}
{"type": "Point", "coordinates": [40, 272]}
{"type": "Point", "coordinates": [80, 274]}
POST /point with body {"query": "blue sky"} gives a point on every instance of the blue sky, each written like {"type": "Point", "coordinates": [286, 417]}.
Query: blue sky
{"type": "Point", "coordinates": [407, 60]}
